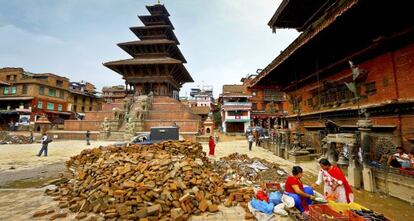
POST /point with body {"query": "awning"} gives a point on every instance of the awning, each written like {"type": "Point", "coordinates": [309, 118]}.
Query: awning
{"type": "Point", "coordinates": [15, 98]}
{"type": "Point", "coordinates": [237, 120]}
{"type": "Point", "coordinates": [4, 83]}
{"type": "Point", "coordinates": [8, 112]}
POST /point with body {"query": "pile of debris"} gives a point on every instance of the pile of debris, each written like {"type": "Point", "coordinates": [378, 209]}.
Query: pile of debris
{"type": "Point", "coordinates": [165, 181]}
{"type": "Point", "coordinates": [247, 171]}
{"type": "Point", "coordinates": [6, 138]}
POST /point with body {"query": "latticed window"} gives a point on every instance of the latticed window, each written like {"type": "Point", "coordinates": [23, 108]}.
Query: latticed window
{"type": "Point", "coordinates": [24, 89]}
{"type": "Point", "coordinates": [41, 90]}
{"type": "Point", "coordinates": [370, 88]}
{"type": "Point", "coordinates": [52, 92]}
{"type": "Point", "coordinates": [50, 106]}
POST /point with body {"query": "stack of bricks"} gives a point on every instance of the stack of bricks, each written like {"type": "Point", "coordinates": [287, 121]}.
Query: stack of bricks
{"type": "Point", "coordinates": [165, 181]}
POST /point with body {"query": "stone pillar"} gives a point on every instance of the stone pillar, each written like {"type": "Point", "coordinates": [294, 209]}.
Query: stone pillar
{"type": "Point", "coordinates": [354, 169]}
{"type": "Point", "coordinates": [365, 126]}
{"type": "Point", "coordinates": [287, 143]}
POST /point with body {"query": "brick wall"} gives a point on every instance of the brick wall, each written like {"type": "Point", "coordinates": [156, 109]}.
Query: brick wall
{"type": "Point", "coordinates": [185, 125]}
{"type": "Point", "coordinates": [109, 107]}
{"type": "Point", "coordinates": [81, 125]}
{"type": "Point", "coordinates": [404, 66]}
{"type": "Point", "coordinates": [72, 135]}
{"type": "Point", "coordinates": [381, 70]}
{"type": "Point", "coordinates": [97, 115]}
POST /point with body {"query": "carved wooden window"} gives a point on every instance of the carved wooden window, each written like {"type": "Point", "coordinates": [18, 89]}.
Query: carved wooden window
{"type": "Point", "coordinates": [370, 88]}
{"type": "Point", "coordinates": [310, 102]}
{"type": "Point", "coordinates": [254, 106]}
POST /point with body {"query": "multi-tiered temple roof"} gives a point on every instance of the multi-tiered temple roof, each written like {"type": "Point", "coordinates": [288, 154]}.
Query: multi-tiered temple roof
{"type": "Point", "coordinates": [157, 63]}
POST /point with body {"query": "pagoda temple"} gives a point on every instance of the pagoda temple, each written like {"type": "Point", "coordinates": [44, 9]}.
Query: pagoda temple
{"type": "Point", "coordinates": [157, 63]}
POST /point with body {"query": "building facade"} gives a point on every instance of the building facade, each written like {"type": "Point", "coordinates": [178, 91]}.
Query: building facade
{"type": "Point", "coordinates": [114, 94]}
{"type": "Point", "coordinates": [26, 96]}
{"type": "Point", "coordinates": [267, 104]}
{"type": "Point", "coordinates": [337, 79]}
{"type": "Point", "coordinates": [29, 96]}
{"type": "Point", "coordinates": [235, 109]}
{"type": "Point", "coordinates": [83, 97]}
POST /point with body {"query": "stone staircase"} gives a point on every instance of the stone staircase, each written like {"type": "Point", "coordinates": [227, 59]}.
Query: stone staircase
{"type": "Point", "coordinates": [166, 111]}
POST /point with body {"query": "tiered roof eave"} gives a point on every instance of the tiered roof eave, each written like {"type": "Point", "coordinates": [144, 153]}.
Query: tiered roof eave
{"type": "Point", "coordinates": [155, 54]}
{"type": "Point", "coordinates": [153, 47]}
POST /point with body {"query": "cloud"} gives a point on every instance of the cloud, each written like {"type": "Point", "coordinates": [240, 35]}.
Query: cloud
{"type": "Point", "coordinates": [222, 41]}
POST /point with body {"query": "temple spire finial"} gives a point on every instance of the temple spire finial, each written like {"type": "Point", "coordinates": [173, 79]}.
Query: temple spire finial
{"type": "Point", "coordinates": [158, 2]}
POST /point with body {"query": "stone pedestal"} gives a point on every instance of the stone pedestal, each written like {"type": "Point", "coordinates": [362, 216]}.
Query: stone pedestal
{"type": "Point", "coordinates": [354, 174]}
{"type": "Point", "coordinates": [364, 126]}
{"type": "Point", "coordinates": [368, 178]}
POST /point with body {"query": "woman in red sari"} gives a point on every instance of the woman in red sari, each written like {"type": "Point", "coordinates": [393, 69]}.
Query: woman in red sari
{"type": "Point", "coordinates": [336, 186]}
{"type": "Point", "coordinates": [212, 146]}
{"type": "Point", "coordinates": [294, 188]}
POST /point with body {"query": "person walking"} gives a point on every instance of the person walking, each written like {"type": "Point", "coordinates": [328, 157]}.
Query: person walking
{"type": "Point", "coordinates": [250, 139]}
{"type": "Point", "coordinates": [212, 146]}
{"type": "Point", "coordinates": [45, 142]}
{"type": "Point", "coordinates": [88, 137]}
{"type": "Point", "coordinates": [31, 136]}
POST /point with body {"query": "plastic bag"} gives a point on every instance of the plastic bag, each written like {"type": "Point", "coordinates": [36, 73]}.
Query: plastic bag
{"type": "Point", "coordinates": [280, 209]}
{"type": "Point", "coordinates": [261, 195]}
{"type": "Point", "coordinates": [262, 206]}
{"type": "Point", "coordinates": [275, 197]}
{"type": "Point", "coordinates": [288, 201]}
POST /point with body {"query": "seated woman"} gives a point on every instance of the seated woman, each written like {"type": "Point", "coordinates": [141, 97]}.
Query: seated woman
{"type": "Point", "coordinates": [303, 196]}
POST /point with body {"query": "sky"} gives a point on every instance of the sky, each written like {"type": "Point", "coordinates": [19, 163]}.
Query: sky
{"type": "Point", "coordinates": [222, 40]}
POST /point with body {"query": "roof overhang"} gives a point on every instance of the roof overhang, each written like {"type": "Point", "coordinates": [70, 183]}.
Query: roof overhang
{"type": "Point", "coordinates": [16, 98]}
{"type": "Point", "coordinates": [297, 14]}
{"type": "Point", "coordinates": [344, 33]}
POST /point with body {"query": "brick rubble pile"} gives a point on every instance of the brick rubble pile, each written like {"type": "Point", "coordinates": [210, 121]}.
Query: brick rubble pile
{"type": "Point", "coordinates": [166, 181]}
{"type": "Point", "coordinates": [6, 138]}
{"type": "Point", "coordinates": [248, 171]}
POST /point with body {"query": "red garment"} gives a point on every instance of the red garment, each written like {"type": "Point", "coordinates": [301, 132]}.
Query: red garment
{"type": "Point", "coordinates": [336, 173]}
{"type": "Point", "coordinates": [261, 195]}
{"type": "Point", "coordinates": [212, 146]}
{"type": "Point", "coordinates": [290, 182]}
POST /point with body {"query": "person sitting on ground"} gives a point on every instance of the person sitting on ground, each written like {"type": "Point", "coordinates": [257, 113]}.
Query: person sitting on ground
{"type": "Point", "coordinates": [303, 196]}
{"type": "Point", "coordinates": [411, 155]}
{"type": "Point", "coordinates": [399, 159]}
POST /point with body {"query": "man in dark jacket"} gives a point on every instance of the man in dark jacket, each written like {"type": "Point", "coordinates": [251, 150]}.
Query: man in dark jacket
{"type": "Point", "coordinates": [88, 137]}
{"type": "Point", "coordinates": [45, 142]}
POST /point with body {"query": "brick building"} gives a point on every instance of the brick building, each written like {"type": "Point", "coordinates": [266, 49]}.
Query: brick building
{"type": "Point", "coordinates": [83, 97]}
{"type": "Point", "coordinates": [267, 103]}
{"type": "Point", "coordinates": [25, 96]}
{"type": "Point", "coordinates": [321, 83]}
{"type": "Point", "coordinates": [114, 94]}
{"type": "Point", "coordinates": [31, 95]}
{"type": "Point", "coordinates": [235, 108]}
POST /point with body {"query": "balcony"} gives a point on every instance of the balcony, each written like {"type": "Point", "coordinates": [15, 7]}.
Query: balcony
{"type": "Point", "coordinates": [241, 104]}
{"type": "Point", "coordinates": [274, 98]}
{"type": "Point", "coordinates": [237, 118]}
